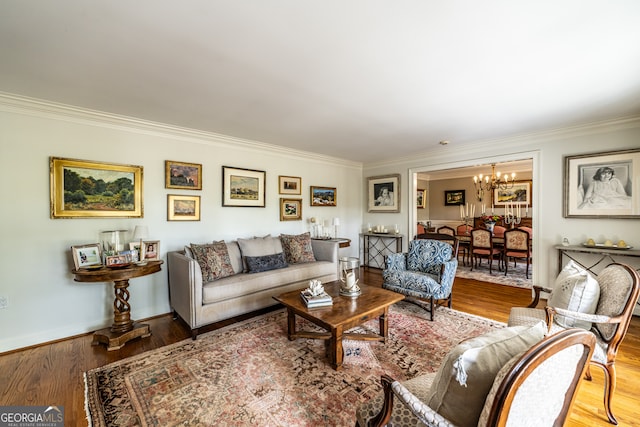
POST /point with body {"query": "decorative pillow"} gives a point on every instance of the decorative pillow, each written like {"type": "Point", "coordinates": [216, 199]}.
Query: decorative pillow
{"type": "Point", "coordinates": [297, 249]}
{"type": "Point", "coordinates": [465, 377]}
{"type": "Point", "coordinates": [257, 264]}
{"type": "Point", "coordinates": [576, 290]}
{"type": "Point", "coordinates": [213, 259]}
{"type": "Point", "coordinates": [259, 246]}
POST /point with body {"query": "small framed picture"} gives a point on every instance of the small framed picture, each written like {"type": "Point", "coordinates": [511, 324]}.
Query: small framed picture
{"type": "Point", "coordinates": [183, 208]}
{"type": "Point", "coordinates": [151, 249]}
{"type": "Point", "coordinates": [289, 184]}
{"type": "Point", "coordinates": [519, 194]}
{"type": "Point", "coordinates": [421, 198]}
{"type": "Point", "coordinates": [290, 209]}
{"type": "Point", "coordinates": [454, 197]}
{"type": "Point", "coordinates": [323, 196]}
{"type": "Point", "coordinates": [135, 247]}
{"type": "Point", "coordinates": [117, 260]}
{"type": "Point", "coordinates": [243, 187]}
{"type": "Point", "coordinates": [384, 193]}
{"type": "Point", "coordinates": [180, 175]}
{"type": "Point", "coordinates": [86, 256]}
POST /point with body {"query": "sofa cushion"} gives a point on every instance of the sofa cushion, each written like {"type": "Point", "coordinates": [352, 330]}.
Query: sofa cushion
{"type": "Point", "coordinates": [256, 264]}
{"type": "Point", "coordinates": [297, 248]}
{"type": "Point", "coordinates": [213, 260]}
{"type": "Point", "coordinates": [467, 372]}
{"type": "Point", "coordinates": [576, 290]}
{"type": "Point", "coordinates": [259, 246]}
{"type": "Point", "coordinates": [235, 256]}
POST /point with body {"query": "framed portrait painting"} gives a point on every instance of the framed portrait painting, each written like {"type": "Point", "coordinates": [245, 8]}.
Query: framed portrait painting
{"type": "Point", "coordinates": [384, 193]}
{"type": "Point", "coordinates": [290, 209]}
{"type": "Point", "coordinates": [88, 189]}
{"type": "Point", "coordinates": [454, 197]}
{"type": "Point", "coordinates": [323, 196]}
{"type": "Point", "coordinates": [602, 185]}
{"type": "Point", "coordinates": [180, 175]}
{"type": "Point", "coordinates": [519, 194]}
{"type": "Point", "coordinates": [243, 187]}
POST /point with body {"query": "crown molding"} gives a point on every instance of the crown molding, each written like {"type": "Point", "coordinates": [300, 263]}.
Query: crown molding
{"type": "Point", "coordinates": [48, 109]}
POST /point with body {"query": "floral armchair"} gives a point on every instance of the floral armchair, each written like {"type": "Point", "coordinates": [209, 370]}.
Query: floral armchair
{"type": "Point", "coordinates": [426, 271]}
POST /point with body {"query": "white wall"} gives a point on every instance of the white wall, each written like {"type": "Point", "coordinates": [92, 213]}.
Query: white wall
{"type": "Point", "coordinates": [44, 303]}
{"type": "Point", "coordinates": [548, 150]}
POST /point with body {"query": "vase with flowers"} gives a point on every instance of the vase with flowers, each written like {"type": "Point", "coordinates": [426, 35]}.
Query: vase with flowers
{"type": "Point", "coordinates": [490, 221]}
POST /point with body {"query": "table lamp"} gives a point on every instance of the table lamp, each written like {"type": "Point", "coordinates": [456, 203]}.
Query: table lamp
{"type": "Point", "coordinates": [336, 223]}
{"type": "Point", "coordinates": [139, 233]}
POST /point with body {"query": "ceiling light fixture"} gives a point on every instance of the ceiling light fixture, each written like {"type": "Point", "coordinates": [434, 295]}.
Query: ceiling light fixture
{"type": "Point", "coordinates": [492, 182]}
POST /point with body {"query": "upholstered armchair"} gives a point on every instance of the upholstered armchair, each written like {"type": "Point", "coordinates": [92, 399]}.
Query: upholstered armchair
{"type": "Point", "coordinates": [536, 386]}
{"type": "Point", "coordinates": [427, 271]}
{"type": "Point", "coordinates": [603, 305]}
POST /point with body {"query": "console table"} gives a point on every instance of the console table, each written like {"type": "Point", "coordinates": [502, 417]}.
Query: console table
{"type": "Point", "coordinates": [377, 245]}
{"type": "Point", "coordinates": [343, 242]}
{"type": "Point", "coordinates": [601, 255]}
{"type": "Point", "coordinates": [124, 328]}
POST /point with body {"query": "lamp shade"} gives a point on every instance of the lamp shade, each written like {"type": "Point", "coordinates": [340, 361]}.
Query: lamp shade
{"type": "Point", "coordinates": [141, 232]}
{"type": "Point", "coordinates": [336, 221]}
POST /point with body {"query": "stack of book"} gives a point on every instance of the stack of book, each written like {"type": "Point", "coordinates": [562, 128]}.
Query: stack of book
{"type": "Point", "coordinates": [321, 300]}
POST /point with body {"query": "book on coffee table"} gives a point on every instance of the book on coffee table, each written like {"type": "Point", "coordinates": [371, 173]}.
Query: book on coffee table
{"type": "Point", "coordinates": [322, 300]}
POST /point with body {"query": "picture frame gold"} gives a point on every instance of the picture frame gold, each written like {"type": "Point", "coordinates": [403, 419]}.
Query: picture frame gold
{"type": "Point", "coordinates": [183, 208]}
{"type": "Point", "coordinates": [290, 209]}
{"type": "Point", "coordinates": [323, 196]}
{"type": "Point", "coordinates": [90, 189]}
{"type": "Point", "coordinates": [183, 176]}
{"type": "Point", "coordinates": [289, 185]}
{"type": "Point", "coordinates": [421, 198]}
{"type": "Point", "coordinates": [243, 187]}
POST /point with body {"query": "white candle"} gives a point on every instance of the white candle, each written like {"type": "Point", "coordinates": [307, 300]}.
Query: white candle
{"type": "Point", "coordinates": [351, 280]}
{"type": "Point", "coordinates": [461, 213]}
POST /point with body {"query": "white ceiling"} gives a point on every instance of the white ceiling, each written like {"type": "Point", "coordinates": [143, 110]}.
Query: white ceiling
{"type": "Point", "coordinates": [363, 80]}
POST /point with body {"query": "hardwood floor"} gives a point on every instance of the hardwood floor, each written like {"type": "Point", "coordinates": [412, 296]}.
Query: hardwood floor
{"type": "Point", "coordinates": [52, 374]}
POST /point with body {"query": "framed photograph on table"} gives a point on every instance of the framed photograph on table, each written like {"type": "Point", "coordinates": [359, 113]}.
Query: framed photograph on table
{"type": "Point", "coordinates": [180, 175]}
{"type": "Point", "coordinates": [324, 196]}
{"type": "Point", "coordinates": [290, 209]}
{"type": "Point", "coordinates": [289, 185]}
{"type": "Point", "coordinates": [88, 189]}
{"type": "Point", "coordinates": [86, 256]}
{"type": "Point", "coordinates": [384, 193]}
{"type": "Point", "coordinates": [151, 250]}
{"type": "Point", "coordinates": [454, 197]}
{"type": "Point", "coordinates": [243, 187]}
{"type": "Point", "coordinates": [519, 194]}
{"type": "Point", "coordinates": [183, 208]}
{"type": "Point", "coordinates": [601, 185]}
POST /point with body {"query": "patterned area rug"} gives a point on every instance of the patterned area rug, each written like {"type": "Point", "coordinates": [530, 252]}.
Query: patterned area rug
{"type": "Point", "coordinates": [250, 373]}
{"type": "Point", "coordinates": [516, 276]}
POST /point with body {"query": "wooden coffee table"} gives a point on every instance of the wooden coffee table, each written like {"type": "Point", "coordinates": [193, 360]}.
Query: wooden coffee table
{"type": "Point", "coordinates": [346, 313]}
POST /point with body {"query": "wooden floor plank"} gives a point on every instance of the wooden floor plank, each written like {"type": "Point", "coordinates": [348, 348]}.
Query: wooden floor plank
{"type": "Point", "coordinates": [52, 374]}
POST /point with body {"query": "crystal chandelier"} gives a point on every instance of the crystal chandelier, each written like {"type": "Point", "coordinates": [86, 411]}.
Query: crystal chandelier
{"type": "Point", "coordinates": [490, 183]}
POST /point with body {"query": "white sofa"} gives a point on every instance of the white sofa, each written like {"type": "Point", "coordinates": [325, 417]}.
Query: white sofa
{"type": "Point", "coordinates": [199, 302]}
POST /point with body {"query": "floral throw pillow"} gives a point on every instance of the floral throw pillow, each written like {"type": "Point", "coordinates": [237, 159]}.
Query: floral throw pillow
{"type": "Point", "coordinates": [214, 260]}
{"type": "Point", "coordinates": [297, 249]}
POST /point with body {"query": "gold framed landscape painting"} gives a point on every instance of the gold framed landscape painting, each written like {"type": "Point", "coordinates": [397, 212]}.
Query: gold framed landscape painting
{"type": "Point", "coordinates": [89, 189]}
{"type": "Point", "coordinates": [290, 209]}
{"type": "Point", "coordinates": [183, 208]}
{"type": "Point", "coordinates": [184, 176]}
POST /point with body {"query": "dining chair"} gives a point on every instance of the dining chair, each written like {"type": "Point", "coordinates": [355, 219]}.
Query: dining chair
{"type": "Point", "coordinates": [463, 233]}
{"type": "Point", "coordinates": [446, 230]}
{"type": "Point", "coordinates": [516, 246]}
{"type": "Point", "coordinates": [482, 247]}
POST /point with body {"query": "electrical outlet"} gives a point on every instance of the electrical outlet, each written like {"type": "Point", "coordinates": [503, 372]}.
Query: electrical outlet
{"type": "Point", "coordinates": [4, 302]}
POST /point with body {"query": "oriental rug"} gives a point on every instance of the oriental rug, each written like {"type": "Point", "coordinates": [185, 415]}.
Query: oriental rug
{"type": "Point", "coordinates": [249, 373]}
{"type": "Point", "coordinates": [516, 276]}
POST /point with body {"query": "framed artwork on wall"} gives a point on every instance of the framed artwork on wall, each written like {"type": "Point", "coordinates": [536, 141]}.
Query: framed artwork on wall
{"type": "Point", "coordinates": [454, 197]}
{"type": "Point", "coordinates": [88, 189]}
{"type": "Point", "coordinates": [243, 187]}
{"type": "Point", "coordinates": [180, 175]}
{"type": "Point", "coordinates": [421, 198]}
{"type": "Point", "coordinates": [289, 185]}
{"type": "Point", "coordinates": [601, 185]}
{"type": "Point", "coordinates": [519, 194]}
{"type": "Point", "coordinates": [323, 196]}
{"type": "Point", "coordinates": [290, 209]}
{"type": "Point", "coordinates": [183, 208]}
{"type": "Point", "coordinates": [384, 193]}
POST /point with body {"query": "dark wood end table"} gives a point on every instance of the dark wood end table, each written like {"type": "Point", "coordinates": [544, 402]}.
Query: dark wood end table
{"type": "Point", "coordinates": [344, 314]}
{"type": "Point", "coordinates": [124, 329]}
